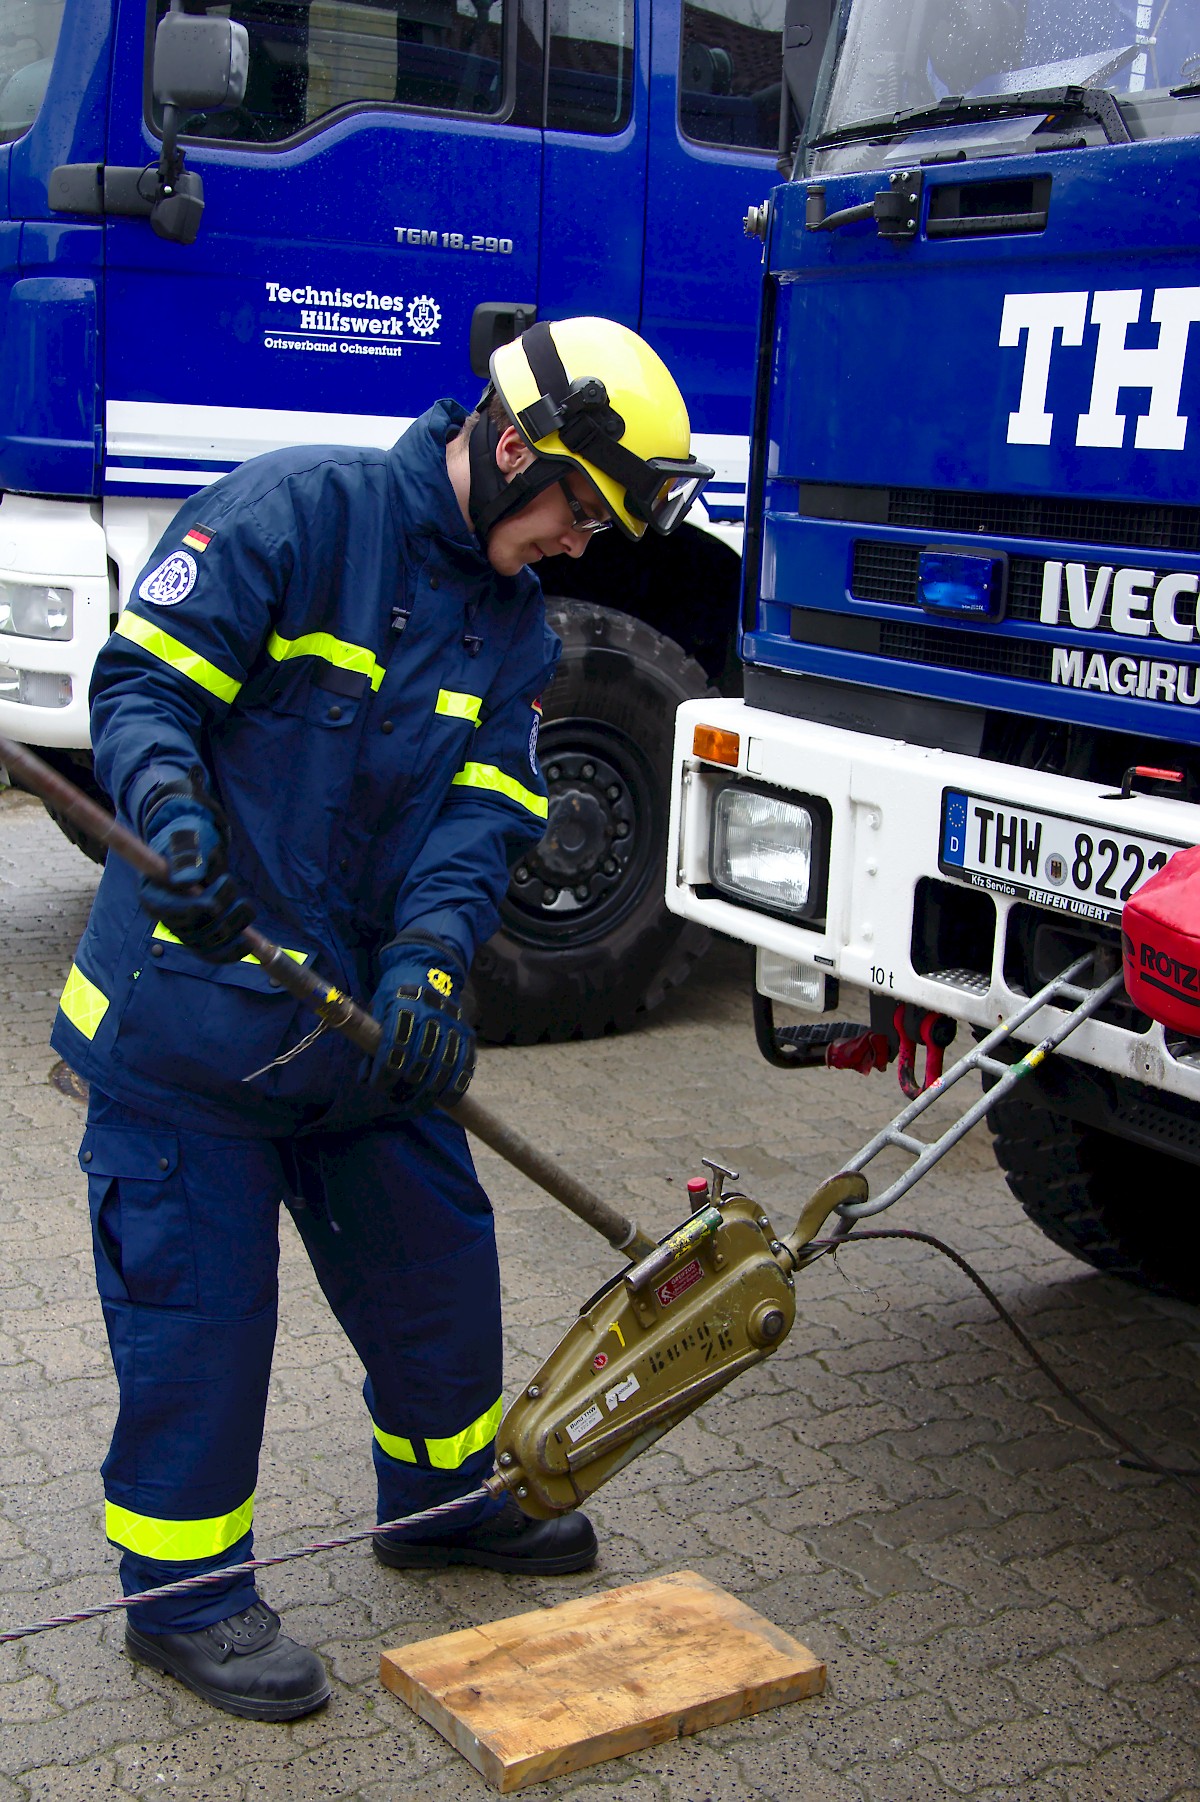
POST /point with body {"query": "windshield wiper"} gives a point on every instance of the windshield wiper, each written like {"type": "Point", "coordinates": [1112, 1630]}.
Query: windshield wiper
{"type": "Point", "coordinates": [957, 109]}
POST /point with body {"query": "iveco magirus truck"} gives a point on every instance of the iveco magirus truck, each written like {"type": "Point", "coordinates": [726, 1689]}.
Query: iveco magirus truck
{"type": "Point", "coordinates": [971, 717]}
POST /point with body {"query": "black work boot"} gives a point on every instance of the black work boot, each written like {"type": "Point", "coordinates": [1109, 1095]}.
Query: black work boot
{"type": "Point", "coordinates": [506, 1541]}
{"type": "Point", "coordinates": [243, 1664]}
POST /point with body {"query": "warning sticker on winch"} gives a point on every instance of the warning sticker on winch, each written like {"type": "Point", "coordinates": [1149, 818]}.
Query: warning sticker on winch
{"type": "Point", "coordinates": [676, 1285]}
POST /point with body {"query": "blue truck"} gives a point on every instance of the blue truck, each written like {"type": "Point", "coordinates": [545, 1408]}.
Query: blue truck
{"type": "Point", "coordinates": [387, 190]}
{"type": "Point", "coordinates": [971, 717]}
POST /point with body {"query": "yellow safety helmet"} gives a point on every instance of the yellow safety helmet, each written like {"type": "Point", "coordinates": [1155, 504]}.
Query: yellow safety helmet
{"type": "Point", "coordinates": [591, 395]}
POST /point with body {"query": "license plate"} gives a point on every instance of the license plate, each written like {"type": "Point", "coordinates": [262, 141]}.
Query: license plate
{"type": "Point", "coordinates": [1070, 865]}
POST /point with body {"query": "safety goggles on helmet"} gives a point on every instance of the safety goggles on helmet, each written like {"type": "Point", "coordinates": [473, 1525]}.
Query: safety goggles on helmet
{"type": "Point", "coordinates": [657, 491]}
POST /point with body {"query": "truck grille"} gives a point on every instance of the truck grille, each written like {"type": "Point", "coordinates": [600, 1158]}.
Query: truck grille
{"type": "Point", "coordinates": [1034, 516]}
{"type": "Point", "coordinates": [884, 572]}
{"type": "Point", "coordinates": [888, 573]}
{"type": "Point", "coordinates": [1142, 524]}
{"type": "Point", "coordinates": [944, 647]}
{"type": "Point", "coordinates": [986, 653]}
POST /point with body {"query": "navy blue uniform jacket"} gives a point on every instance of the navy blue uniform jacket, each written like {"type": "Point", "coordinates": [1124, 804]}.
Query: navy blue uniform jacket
{"type": "Point", "coordinates": [321, 631]}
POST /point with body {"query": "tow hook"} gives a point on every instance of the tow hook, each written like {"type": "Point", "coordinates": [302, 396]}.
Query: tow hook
{"type": "Point", "coordinates": [936, 1032]}
{"type": "Point", "coordinates": [867, 1052]}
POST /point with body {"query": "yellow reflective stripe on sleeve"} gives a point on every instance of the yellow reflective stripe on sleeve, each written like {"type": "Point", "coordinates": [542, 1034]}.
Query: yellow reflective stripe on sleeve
{"type": "Point", "coordinates": [459, 707]}
{"type": "Point", "coordinates": [83, 1003]}
{"type": "Point", "coordinates": [353, 657]}
{"type": "Point", "coordinates": [487, 776]}
{"type": "Point", "coordinates": [177, 656]}
{"type": "Point", "coordinates": [165, 933]}
{"type": "Point", "coordinates": [176, 1541]}
{"type": "Point", "coordinates": [395, 1447]}
{"type": "Point", "coordinates": [448, 1454]}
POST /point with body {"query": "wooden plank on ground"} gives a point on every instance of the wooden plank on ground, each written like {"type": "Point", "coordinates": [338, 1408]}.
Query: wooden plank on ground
{"type": "Point", "coordinates": [542, 1694]}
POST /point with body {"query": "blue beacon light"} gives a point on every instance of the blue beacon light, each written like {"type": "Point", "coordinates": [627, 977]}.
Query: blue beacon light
{"type": "Point", "coordinates": [962, 584]}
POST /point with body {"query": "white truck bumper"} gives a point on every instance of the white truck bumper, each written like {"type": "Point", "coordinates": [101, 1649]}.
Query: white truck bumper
{"type": "Point", "coordinates": [44, 681]}
{"type": "Point", "coordinates": [885, 801]}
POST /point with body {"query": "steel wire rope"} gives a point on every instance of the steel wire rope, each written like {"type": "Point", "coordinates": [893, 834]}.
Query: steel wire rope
{"type": "Point", "coordinates": [186, 1584]}
{"type": "Point", "coordinates": [1141, 1460]}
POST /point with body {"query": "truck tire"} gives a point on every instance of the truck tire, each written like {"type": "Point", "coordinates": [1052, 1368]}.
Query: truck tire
{"type": "Point", "coordinates": [586, 942]}
{"type": "Point", "coordinates": [76, 766]}
{"type": "Point", "coordinates": [1096, 1196]}
{"type": "Point", "coordinates": [91, 847]}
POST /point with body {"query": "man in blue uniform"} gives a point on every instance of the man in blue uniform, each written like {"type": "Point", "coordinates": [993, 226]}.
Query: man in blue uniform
{"type": "Point", "coordinates": [324, 695]}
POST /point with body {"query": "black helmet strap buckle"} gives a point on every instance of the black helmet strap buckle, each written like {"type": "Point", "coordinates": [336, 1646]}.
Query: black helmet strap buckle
{"type": "Point", "coordinates": [578, 411]}
{"type": "Point", "coordinates": [585, 402]}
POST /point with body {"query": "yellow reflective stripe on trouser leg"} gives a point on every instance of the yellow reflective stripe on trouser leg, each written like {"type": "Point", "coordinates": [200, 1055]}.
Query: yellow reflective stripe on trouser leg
{"type": "Point", "coordinates": [176, 1541]}
{"type": "Point", "coordinates": [487, 776]}
{"type": "Point", "coordinates": [449, 1454]}
{"type": "Point", "coordinates": [458, 706]}
{"type": "Point", "coordinates": [355, 658]}
{"type": "Point", "coordinates": [83, 1003]}
{"type": "Point", "coordinates": [395, 1447]}
{"type": "Point", "coordinates": [177, 656]}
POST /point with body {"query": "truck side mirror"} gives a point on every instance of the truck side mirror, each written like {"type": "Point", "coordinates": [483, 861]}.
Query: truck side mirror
{"type": "Point", "coordinates": [200, 66]}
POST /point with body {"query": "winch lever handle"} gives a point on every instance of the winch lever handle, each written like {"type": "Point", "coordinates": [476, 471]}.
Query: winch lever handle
{"type": "Point", "coordinates": [337, 1010]}
{"type": "Point", "coordinates": [622, 1234]}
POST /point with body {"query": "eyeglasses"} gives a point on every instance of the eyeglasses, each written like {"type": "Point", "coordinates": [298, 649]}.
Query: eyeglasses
{"type": "Point", "coordinates": [581, 521]}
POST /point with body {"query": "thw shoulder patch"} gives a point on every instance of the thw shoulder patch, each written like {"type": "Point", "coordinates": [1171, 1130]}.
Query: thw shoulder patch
{"type": "Point", "coordinates": [171, 582]}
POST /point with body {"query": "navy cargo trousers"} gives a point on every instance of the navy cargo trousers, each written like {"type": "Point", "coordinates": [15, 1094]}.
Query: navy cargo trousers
{"type": "Point", "coordinates": [185, 1227]}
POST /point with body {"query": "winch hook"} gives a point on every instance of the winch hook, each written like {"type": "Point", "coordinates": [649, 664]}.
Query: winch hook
{"type": "Point", "coordinates": [936, 1032]}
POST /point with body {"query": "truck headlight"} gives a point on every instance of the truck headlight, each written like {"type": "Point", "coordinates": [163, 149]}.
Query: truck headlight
{"type": "Point", "coordinates": [770, 852]}
{"type": "Point", "coordinates": [31, 610]}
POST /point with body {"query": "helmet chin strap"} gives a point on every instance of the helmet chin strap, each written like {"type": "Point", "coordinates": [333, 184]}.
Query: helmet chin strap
{"type": "Point", "coordinates": [492, 498]}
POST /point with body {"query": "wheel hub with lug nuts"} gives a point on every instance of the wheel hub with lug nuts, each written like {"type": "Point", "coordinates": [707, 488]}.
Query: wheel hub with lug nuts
{"type": "Point", "coordinates": [588, 839]}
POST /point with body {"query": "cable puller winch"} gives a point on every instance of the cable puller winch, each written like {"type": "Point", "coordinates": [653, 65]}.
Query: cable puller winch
{"type": "Point", "coordinates": [695, 1308]}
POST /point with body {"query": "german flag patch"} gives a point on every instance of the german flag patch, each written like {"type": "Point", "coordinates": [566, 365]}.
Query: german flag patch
{"type": "Point", "coordinates": [198, 538]}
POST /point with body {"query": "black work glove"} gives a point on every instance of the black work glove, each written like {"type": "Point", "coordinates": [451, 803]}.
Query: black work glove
{"type": "Point", "coordinates": [199, 902]}
{"type": "Point", "coordinates": [427, 1051]}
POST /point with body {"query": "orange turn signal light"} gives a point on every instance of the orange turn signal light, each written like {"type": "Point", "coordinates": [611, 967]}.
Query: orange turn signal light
{"type": "Point", "coordinates": [716, 746]}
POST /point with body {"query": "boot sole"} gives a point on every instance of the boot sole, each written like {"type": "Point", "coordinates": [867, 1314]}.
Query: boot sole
{"type": "Point", "coordinates": [428, 1557]}
{"type": "Point", "coordinates": [245, 1707]}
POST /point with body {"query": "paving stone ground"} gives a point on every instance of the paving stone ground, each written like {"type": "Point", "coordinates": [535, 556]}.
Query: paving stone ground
{"type": "Point", "coordinates": [1005, 1612]}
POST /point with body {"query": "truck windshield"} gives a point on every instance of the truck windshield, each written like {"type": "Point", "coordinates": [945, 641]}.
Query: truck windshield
{"type": "Point", "coordinates": [884, 58]}
{"type": "Point", "coordinates": [28, 37]}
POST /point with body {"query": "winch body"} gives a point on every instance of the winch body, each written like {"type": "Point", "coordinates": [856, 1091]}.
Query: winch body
{"type": "Point", "coordinates": [715, 1298]}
